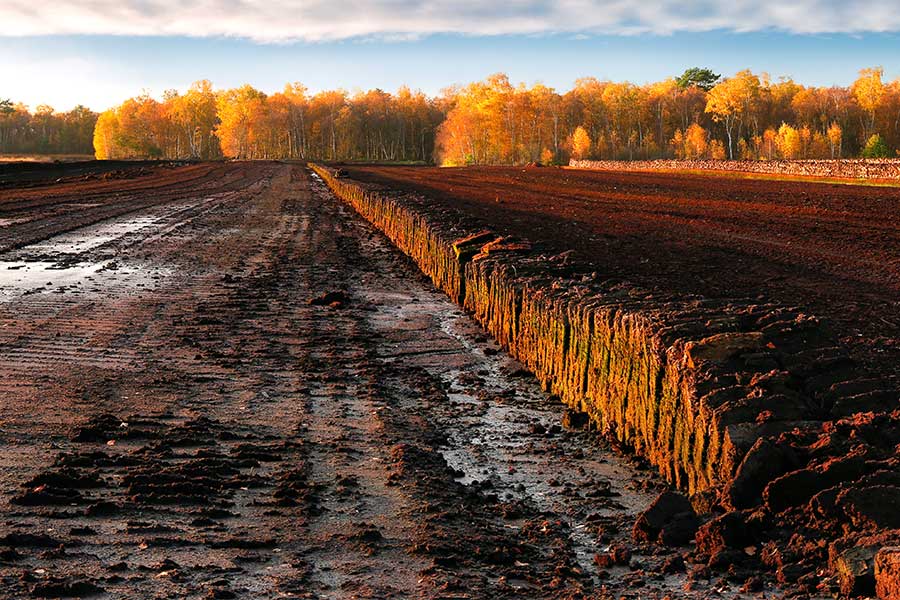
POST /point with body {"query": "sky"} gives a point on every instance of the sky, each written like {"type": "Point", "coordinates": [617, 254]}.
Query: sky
{"type": "Point", "coordinates": [100, 52]}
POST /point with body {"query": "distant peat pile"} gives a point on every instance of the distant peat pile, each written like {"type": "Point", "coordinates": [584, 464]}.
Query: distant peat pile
{"type": "Point", "coordinates": [751, 408]}
{"type": "Point", "coordinates": [877, 169]}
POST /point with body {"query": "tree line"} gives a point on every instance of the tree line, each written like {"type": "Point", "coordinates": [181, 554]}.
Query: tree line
{"type": "Point", "coordinates": [45, 131]}
{"type": "Point", "coordinates": [246, 123]}
{"type": "Point", "coordinates": [696, 115]}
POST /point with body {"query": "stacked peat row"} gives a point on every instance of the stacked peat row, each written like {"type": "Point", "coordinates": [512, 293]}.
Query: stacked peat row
{"type": "Point", "coordinates": [843, 169]}
{"type": "Point", "coordinates": [749, 407]}
{"type": "Point", "coordinates": [430, 248]}
{"type": "Point", "coordinates": [689, 384]}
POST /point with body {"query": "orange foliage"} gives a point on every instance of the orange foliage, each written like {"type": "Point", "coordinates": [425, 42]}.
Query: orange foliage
{"type": "Point", "coordinates": [495, 121]}
{"type": "Point", "coordinates": [581, 143]}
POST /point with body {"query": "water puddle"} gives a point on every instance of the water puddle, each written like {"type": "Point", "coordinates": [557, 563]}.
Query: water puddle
{"type": "Point", "coordinates": [20, 278]}
{"type": "Point", "coordinates": [91, 259]}
{"type": "Point", "coordinates": [10, 222]}
{"type": "Point", "coordinates": [86, 260]}
{"type": "Point", "coordinates": [493, 412]}
{"type": "Point", "coordinates": [89, 238]}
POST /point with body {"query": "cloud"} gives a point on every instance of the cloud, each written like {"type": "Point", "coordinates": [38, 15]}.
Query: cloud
{"type": "Point", "coordinates": [60, 82]}
{"type": "Point", "coordinates": [329, 20]}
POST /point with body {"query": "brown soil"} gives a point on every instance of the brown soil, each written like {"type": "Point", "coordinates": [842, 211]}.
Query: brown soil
{"type": "Point", "coordinates": [216, 381]}
{"type": "Point", "coordinates": [23, 174]}
{"type": "Point", "coordinates": [833, 250]}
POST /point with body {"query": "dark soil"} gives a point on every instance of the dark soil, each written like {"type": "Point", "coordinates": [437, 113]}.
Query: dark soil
{"type": "Point", "coordinates": [813, 504]}
{"type": "Point", "coordinates": [32, 174]}
{"type": "Point", "coordinates": [831, 249]}
{"type": "Point", "coordinates": [217, 381]}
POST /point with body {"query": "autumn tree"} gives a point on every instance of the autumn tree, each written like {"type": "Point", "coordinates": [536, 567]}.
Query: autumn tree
{"type": "Point", "coordinates": [732, 101]}
{"type": "Point", "coordinates": [810, 106]}
{"type": "Point", "coordinates": [241, 118]}
{"type": "Point", "coordinates": [586, 107]}
{"type": "Point", "coordinates": [888, 114]}
{"type": "Point", "coordinates": [661, 97]}
{"type": "Point", "coordinates": [876, 148]}
{"type": "Point", "coordinates": [463, 138]}
{"type": "Point", "coordinates": [581, 143]}
{"type": "Point", "coordinates": [622, 101]}
{"type": "Point", "coordinates": [544, 123]}
{"type": "Point", "coordinates": [141, 128]}
{"type": "Point", "coordinates": [106, 135]}
{"type": "Point", "coordinates": [327, 107]}
{"type": "Point", "coordinates": [717, 150]}
{"type": "Point", "coordinates": [480, 128]}
{"type": "Point", "coordinates": [195, 116]}
{"type": "Point", "coordinates": [695, 142]}
{"type": "Point", "coordinates": [788, 142]}
{"type": "Point", "coordinates": [835, 137]}
{"type": "Point", "coordinates": [767, 146]}
{"type": "Point", "coordinates": [868, 90]}
{"type": "Point", "coordinates": [677, 144]}
{"type": "Point", "coordinates": [775, 104]}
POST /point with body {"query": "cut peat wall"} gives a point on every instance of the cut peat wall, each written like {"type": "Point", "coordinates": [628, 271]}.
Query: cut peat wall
{"type": "Point", "coordinates": [688, 383]}
{"type": "Point", "coordinates": [884, 169]}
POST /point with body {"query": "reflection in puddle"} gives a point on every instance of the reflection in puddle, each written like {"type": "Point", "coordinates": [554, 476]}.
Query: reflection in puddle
{"type": "Point", "coordinates": [87, 239]}
{"type": "Point", "coordinates": [79, 261]}
{"type": "Point", "coordinates": [8, 222]}
{"type": "Point", "coordinates": [19, 278]}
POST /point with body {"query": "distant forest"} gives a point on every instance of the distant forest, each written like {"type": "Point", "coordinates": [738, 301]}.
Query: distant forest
{"type": "Point", "coordinates": [696, 115]}
{"type": "Point", "coordinates": [45, 131]}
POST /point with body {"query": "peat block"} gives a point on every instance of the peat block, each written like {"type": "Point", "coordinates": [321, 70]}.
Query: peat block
{"type": "Point", "coordinates": [670, 520]}
{"type": "Point", "coordinates": [887, 573]}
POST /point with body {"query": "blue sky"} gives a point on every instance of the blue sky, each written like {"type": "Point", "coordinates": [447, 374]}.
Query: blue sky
{"type": "Point", "coordinates": [64, 68]}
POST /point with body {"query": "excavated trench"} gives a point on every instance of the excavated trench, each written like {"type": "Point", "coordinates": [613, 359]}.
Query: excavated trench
{"type": "Point", "coordinates": [679, 382]}
{"type": "Point", "coordinates": [753, 408]}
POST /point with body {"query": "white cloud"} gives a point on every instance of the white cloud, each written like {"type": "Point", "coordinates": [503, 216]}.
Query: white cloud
{"type": "Point", "coordinates": [60, 82]}
{"type": "Point", "coordinates": [324, 20]}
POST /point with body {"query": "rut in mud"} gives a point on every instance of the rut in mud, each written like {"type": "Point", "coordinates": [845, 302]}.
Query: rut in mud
{"type": "Point", "coordinates": [217, 381]}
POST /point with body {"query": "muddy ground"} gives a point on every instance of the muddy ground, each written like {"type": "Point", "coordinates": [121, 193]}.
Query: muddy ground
{"type": "Point", "coordinates": [20, 174]}
{"type": "Point", "coordinates": [832, 250]}
{"type": "Point", "coordinates": [217, 381]}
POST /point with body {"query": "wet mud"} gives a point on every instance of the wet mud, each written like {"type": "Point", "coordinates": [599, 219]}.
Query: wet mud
{"type": "Point", "coordinates": [779, 428]}
{"type": "Point", "coordinates": [230, 385]}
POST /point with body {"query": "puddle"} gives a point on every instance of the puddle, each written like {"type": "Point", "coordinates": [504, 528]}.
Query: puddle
{"type": "Point", "coordinates": [19, 278]}
{"type": "Point", "coordinates": [488, 434]}
{"type": "Point", "coordinates": [89, 238]}
{"type": "Point", "coordinates": [496, 445]}
{"type": "Point", "coordinates": [77, 260]}
{"type": "Point", "coordinates": [9, 222]}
